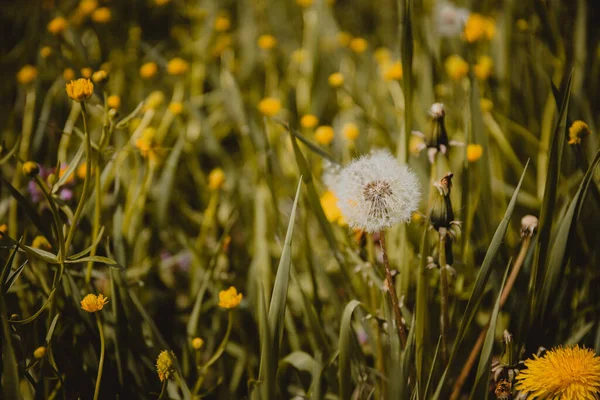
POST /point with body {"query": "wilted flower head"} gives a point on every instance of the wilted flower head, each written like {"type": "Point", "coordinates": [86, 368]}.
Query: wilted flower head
{"type": "Point", "coordinates": [578, 131]}
{"type": "Point", "coordinates": [450, 19]}
{"type": "Point", "coordinates": [164, 365]}
{"type": "Point", "coordinates": [441, 214]}
{"type": "Point", "coordinates": [435, 139]}
{"type": "Point", "coordinates": [376, 192]}
{"type": "Point", "coordinates": [503, 390]}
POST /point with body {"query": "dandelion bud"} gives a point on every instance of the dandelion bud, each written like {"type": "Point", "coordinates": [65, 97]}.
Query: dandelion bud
{"type": "Point", "coordinates": [441, 214]}
{"type": "Point", "coordinates": [30, 169]}
{"type": "Point", "coordinates": [197, 343]}
{"type": "Point", "coordinates": [3, 229]}
{"type": "Point", "coordinates": [529, 224]}
{"type": "Point", "coordinates": [436, 136]}
{"type": "Point", "coordinates": [113, 101]}
{"type": "Point", "coordinates": [27, 74]}
{"type": "Point", "coordinates": [40, 352]}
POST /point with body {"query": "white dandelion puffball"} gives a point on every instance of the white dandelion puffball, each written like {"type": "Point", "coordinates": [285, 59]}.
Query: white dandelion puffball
{"type": "Point", "coordinates": [449, 19]}
{"type": "Point", "coordinates": [376, 192]}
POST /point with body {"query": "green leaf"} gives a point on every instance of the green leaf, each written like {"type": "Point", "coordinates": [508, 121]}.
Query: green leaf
{"type": "Point", "coordinates": [10, 372]}
{"type": "Point", "coordinates": [301, 361]}
{"type": "Point", "coordinates": [96, 259]}
{"type": "Point", "coordinates": [74, 257]}
{"type": "Point", "coordinates": [70, 171]}
{"type": "Point", "coordinates": [312, 146]}
{"type": "Point", "coordinates": [13, 277]}
{"type": "Point", "coordinates": [12, 151]}
{"type": "Point", "coordinates": [266, 374]}
{"type": "Point", "coordinates": [37, 313]}
{"type": "Point", "coordinates": [8, 265]}
{"type": "Point", "coordinates": [164, 189]}
{"type": "Point", "coordinates": [51, 329]}
{"type": "Point", "coordinates": [345, 348]}
{"type": "Point", "coordinates": [421, 311]}
{"type": "Point", "coordinates": [432, 369]}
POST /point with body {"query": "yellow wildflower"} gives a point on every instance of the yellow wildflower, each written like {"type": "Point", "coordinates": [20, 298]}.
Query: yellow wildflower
{"type": "Point", "coordinates": [382, 56]}
{"type": "Point", "coordinates": [474, 152]}
{"type": "Point", "coordinates": [154, 100]}
{"type": "Point", "coordinates": [269, 106]}
{"type": "Point", "coordinates": [197, 343]}
{"type": "Point", "coordinates": [309, 121]}
{"type": "Point", "coordinates": [40, 242]}
{"type": "Point", "coordinates": [68, 74]}
{"type": "Point", "coordinates": [164, 365]}
{"type": "Point", "coordinates": [113, 101]}
{"type": "Point", "coordinates": [336, 79]}
{"type": "Point", "coordinates": [92, 303]}
{"type": "Point", "coordinates": [304, 3]}
{"type": "Point", "coordinates": [330, 207]}
{"type": "Point", "coordinates": [177, 66]}
{"type": "Point", "coordinates": [30, 168]}
{"type": "Point", "coordinates": [358, 45]}
{"type": "Point", "coordinates": [147, 145]}
{"type": "Point", "coordinates": [350, 131]}
{"type": "Point", "coordinates": [57, 26]}
{"type": "Point", "coordinates": [148, 70]}
{"type": "Point", "coordinates": [578, 131]}
{"type": "Point", "coordinates": [393, 72]}
{"type": "Point", "coordinates": [82, 170]}
{"type": "Point", "coordinates": [216, 179]}
{"type": "Point", "coordinates": [27, 74]}
{"type": "Point", "coordinates": [456, 67]}
{"type": "Point", "coordinates": [99, 76]}
{"type": "Point", "coordinates": [222, 23]}
{"type": "Point", "coordinates": [344, 38]}
{"type": "Point", "coordinates": [81, 89]}
{"type": "Point", "coordinates": [40, 352]}
{"type": "Point", "coordinates": [229, 298]}
{"type": "Point", "coordinates": [486, 105]}
{"type": "Point", "coordinates": [3, 229]}
{"type": "Point", "coordinates": [566, 373]}
{"type": "Point", "coordinates": [176, 108]}
{"type": "Point", "coordinates": [478, 27]}
{"type": "Point", "coordinates": [324, 134]}
{"type": "Point", "coordinates": [102, 15]}
{"type": "Point", "coordinates": [267, 42]}
{"type": "Point", "coordinates": [63, 170]}
{"type": "Point", "coordinates": [87, 6]}
{"type": "Point", "coordinates": [87, 72]}
{"type": "Point", "coordinates": [484, 67]}
{"type": "Point", "coordinates": [45, 51]}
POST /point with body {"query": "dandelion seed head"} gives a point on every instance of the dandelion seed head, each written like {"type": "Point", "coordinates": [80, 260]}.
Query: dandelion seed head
{"type": "Point", "coordinates": [376, 192]}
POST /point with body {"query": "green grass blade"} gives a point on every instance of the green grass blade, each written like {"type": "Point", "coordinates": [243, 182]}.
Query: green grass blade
{"type": "Point", "coordinates": [407, 50]}
{"type": "Point", "coordinates": [421, 311]}
{"type": "Point", "coordinates": [70, 171]}
{"type": "Point", "coordinates": [10, 372]}
{"type": "Point", "coordinates": [266, 375]}
{"type": "Point", "coordinates": [345, 348]}
{"type": "Point", "coordinates": [432, 369]}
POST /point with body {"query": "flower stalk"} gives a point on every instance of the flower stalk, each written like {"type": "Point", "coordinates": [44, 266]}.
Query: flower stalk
{"type": "Point", "coordinates": [444, 295]}
{"type": "Point", "coordinates": [101, 363]}
{"type": "Point", "coordinates": [401, 328]}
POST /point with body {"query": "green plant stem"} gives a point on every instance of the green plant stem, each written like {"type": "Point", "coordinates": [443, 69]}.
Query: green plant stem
{"type": "Point", "coordinates": [163, 390]}
{"type": "Point", "coordinates": [101, 363]}
{"type": "Point", "coordinates": [392, 291]}
{"type": "Point", "coordinates": [96, 226]}
{"type": "Point", "coordinates": [55, 215]}
{"type": "Point", "coordinates": [445, 321]}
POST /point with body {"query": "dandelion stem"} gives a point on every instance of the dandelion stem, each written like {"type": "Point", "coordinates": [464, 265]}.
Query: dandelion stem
{"type": "Point", "coordinates": [101, 363]}
{"type": "Point", "coordinates": [445, 321]}
{"type": "Point", "coordinates": [163, 390]}
{"type": "Point", "coordinates": [392, 290]}
{"type": "Point", "coordinates": [464, 373]}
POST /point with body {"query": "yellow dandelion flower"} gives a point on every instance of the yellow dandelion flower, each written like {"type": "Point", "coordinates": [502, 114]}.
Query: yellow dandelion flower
{"type": "Point", "coordinates": [177, 66]}
{"type": "Point", "coordinates": [477, 27]}
{"type": "Point", "coordinates": [176, 108]}
{"type": "Point", "coordinates": [330, 207]}
{"type": "Point", "coordinates": [358, 45]}
{"type": "Point", "coordinates": [474, 152]}
{"type": "Point", "coordinates": [57, 26]}
{"type": "Point", "coordinates": [87, 72]}
{"type": "Point", "coordinates": [484, 67]}
{"type": "Point", "coordinates": [27, 74]}
{"type": "Point", "coordinates": [393, 72]}
{"type": "Point", "coordinates": [309, 121]}
{"type": "Point", "coordinates": [100, 76]}
{"type": "Point", "coordinates": [324, 134]}
{"type": "Point", "coordinates": [45, 51]}
{"type": "Point", "coordinates": [197, 343]}
{"type": "Point", "coordinates": [269, 106]}
{"type": "Point", "coordinates": [267, 42]}
{"type": "Point", "coordinates": [382, 55]}
{"type": "Point", "coordinates": [40, 242]}
{"type": "Point", "coordinates": [566, 373]}
{"type": "Point", "coordinates": [113, 101]}
{"type": "Point", "coordinates": [165, 365]}
{"type": "Point", "coordinates": [350, 131]}
{"type": "Point", "coordinates": [336, 79]}
{"type": "Point", "coordinates": [87, 6]}
{"type": "Point", "coordinates": [304, 3]}
{"type": "Point", "coordinates": [154, 100]}
{"type": "Point", "coordinates": [68, 74]}
{"type": "Point", "coordinates": [148, 70]}
{"type": "Point", "coordinates": [344, 38]}
{"type": "Point", "coordinates": [40, 352]}
{"type": "Point", "coordinates": [146, 143]}
{"type": "Point", "coordinates": [578, 131]}
{"type": "Point", "coordinates": [80, 90]}
{"type": "Point", "coordinates": [92, 303]}
{"type": "Point", "coordinates": [229, 298]}
{"type": "Point", "coordinates": [456, 67]}
{"type": "Point", "coordinates": [486, 105]}
{"type": "Point", "coordinates": [30, 168]}
{"type": "Point", "coordinates": [216, 179]}
{"type": "Point", "coordinates": [102, 15]}
{"type": "Point", "coordinates": [222, 23]}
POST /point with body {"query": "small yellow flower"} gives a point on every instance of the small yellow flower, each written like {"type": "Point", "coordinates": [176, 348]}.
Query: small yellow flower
{"type": "Point", "coordinates": [216, 179]}
{"type": "Point", "coordinates": [27, 74]}
{"type": "Point", "coordinates": [63, 170]}
{"type": "Point", "coordinates": [148, 70]}
{"type": "Point", "coordinates": [382, 55]}
{"type": "Point", "coordinates": [344, 38]}
{"type": "Point", "coordinates": [416, 217]}
{"type": "Point", "coordinates": [567, 373]}
{"type": "Point", "coordinates": [161, 2]}
{"type": "Point", "coordinates": [68, 74]}
{"type": "Point", "coordinates": [330, 208]}
{"type": "Point", "coordinates": [486, 105]}
{"type": "Point", "coordinates": [474, 152]}
{"type": "Point", "coordinates": [177, 66]}
{"type": "Point", "coordinates": [298, 56]}
{"type": "Point", "coordinates": [154, 100]}
{"type": "Point", "coordinates": [57, 26]}
{"type": "Point", "coordinates": [113, 101]}
{"type": "Point", "coordinates": [82, 170]}
{"type": "Point", "coordinates": [304, 3]}
{"type": "Point", "coordinates": [324, 134]}
{"type": "Point", "coordinates": [197, 343]}
{"type": "Point", "coordinates": [269, 106]}
{"type": "Point", "coordinates": [478, 27]}
{"type": "Point", "coordinates": [87, 6]}
{"type": "Point", "coordinates": [30, 168]}
{"type": "Point", "coordinates": [229, 298]}
{"type": "Point", "coordinates": [40, 352]}
{"type": "Point", "coordinates": [92, 303]}
{"type": "Point", "coordinates": [40, 242]}
{"type": "Point", "coordinates": [358, 45]}
{"type": "Point", "coordinates": [350, 131]}
{"type": "Point", "coordinates": [99, 76]}
{"type": "Point", "coordinates": [393, 72]}
{"type": "Point", "coordinates": [80, 90]}
{"type": "Point", "coordinates": [484, 67]}
{"type": "Point", "coordinates": [309, 121]}
{"type": "Point", "coordinates": [164, 365]}
{"type": "Point", "coordinates": [176, 108]}
{"type": "Point", "coordinates": [87, 72]}
{"type": "Point", "coordinates": [45, 51]}
{"type": "Point", "coordinates": [456, 67]}
{"type": "Point", "coordinates": [336, 80]}
{"type": "Point", "coordinates": [102, 15]}
{"type": "Point", "coordinates": [578, 131]}
{"type": "Point", "coordinates": [267, 42]}
{"type": "Point", "coordinates": [3, 229]}
{"type": "Point", "coordinates": [147, 144]}
{"type": "Point", "coordinates": [222, 23]}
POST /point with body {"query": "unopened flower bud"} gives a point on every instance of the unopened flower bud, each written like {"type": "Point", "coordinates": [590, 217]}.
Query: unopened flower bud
{"type": "Point", "coordinates": [436, 136]}
{"type": "Point", "coordinates": [40, 352]}
{"type": "Point", "coordinates": [441, 214]}
{"type": "Point", "coordinates": [30, 169]}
